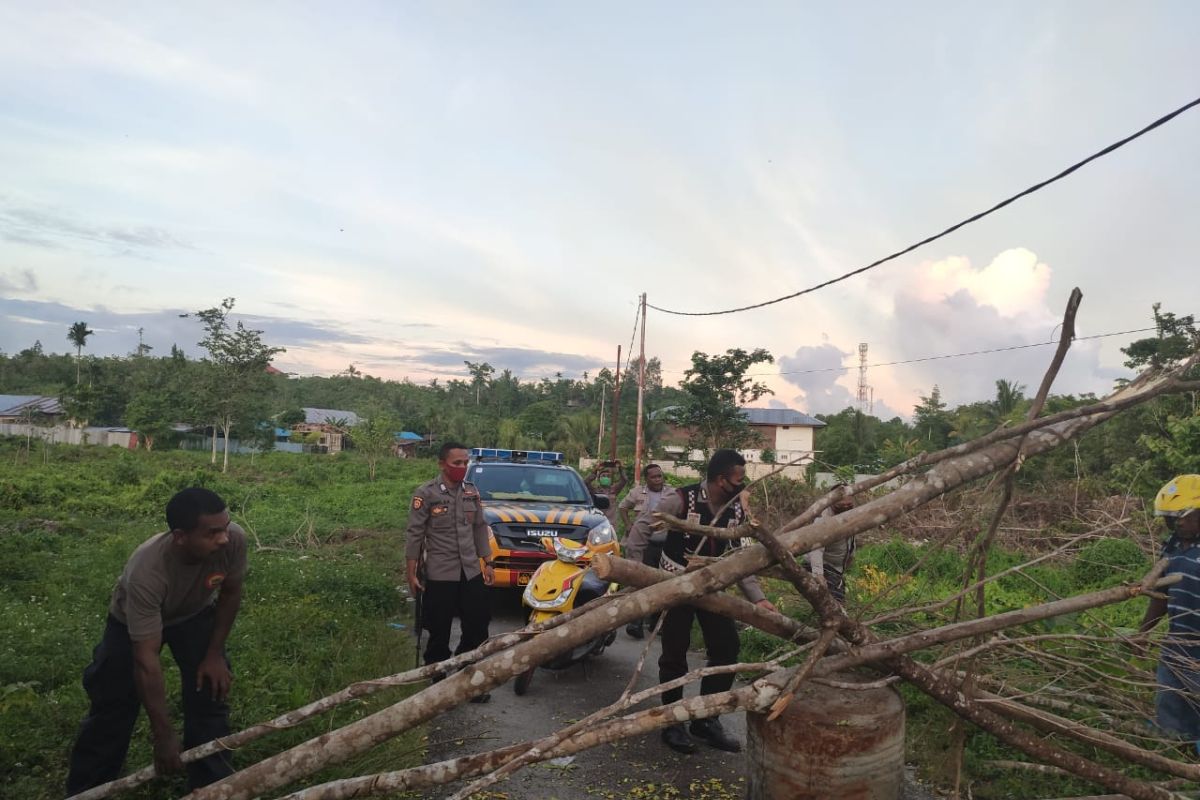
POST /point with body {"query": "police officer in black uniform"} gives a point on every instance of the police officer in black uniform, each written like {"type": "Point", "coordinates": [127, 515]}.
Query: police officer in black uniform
{"type": "Point", "coordinates": [447, 541]}
{"type": "Point", "coordinates": [700, 503]}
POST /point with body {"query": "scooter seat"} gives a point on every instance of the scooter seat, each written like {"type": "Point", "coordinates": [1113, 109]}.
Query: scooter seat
{"type": "Point", "coordinates": [590, 587]}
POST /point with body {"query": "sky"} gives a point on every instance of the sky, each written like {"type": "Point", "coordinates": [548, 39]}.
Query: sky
{"type": "Point", "coordinates": [407, 186]}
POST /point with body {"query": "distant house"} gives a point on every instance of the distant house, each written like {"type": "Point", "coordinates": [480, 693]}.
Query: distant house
{"type": "Point", "coordinates": [787, 432]}
{"type": "Point", "coordinates": [19, 408]}
{"type": "Point", "coordinates": [784, 433]}
{"type": "Point", "coordinates": [331, 424]}
{"type": "Point", "coordinates": [406, 444]}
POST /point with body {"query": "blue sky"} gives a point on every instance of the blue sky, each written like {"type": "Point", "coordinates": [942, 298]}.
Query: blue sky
{"type": "Point", "coordinates": [404, 186]}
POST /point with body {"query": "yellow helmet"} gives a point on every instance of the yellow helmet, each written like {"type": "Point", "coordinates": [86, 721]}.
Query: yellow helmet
{"type": "Point", "coordinates": [1178, 497]}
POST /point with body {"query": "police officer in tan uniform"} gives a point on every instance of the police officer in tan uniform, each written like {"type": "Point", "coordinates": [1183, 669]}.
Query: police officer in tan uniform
{"type": "Point", "coordinates": [447, 541]}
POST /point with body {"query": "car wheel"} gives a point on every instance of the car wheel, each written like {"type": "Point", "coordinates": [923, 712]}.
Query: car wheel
{"type": "Point", "coordinates": [521, 684]}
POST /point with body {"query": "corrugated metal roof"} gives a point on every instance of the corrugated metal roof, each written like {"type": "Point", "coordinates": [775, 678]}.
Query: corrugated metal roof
{"type": "Point", "coordinates": [12, 405]}
{"type": "Point", "coordinates": [780, 416]}
{"type": "Point", "coordinates": [409, 436]}
{"type": "Point", "coordinates": [763, 416]}
{"type": "Point", "coordinates": [8, 401]}
{"type": "Point", "coordinates": [318, 416]}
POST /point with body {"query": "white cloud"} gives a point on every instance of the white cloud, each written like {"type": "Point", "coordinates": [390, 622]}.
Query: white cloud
{"type": "Point", "coordinates": [1014, 282]}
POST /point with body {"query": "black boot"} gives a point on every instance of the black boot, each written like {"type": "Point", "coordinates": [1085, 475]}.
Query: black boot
{"type": "Point", "coordinates": [710, 730]}
{"type": "Point", "coordinates": [634, 629]}
{"type": "Point", "coordinates": [676, 738]}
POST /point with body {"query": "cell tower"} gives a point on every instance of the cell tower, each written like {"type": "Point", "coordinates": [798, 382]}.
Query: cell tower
{"type": "Point", "coordinates": [864, 391]}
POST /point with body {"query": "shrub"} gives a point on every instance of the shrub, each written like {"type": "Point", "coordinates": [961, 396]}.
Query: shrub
{"type": "Point", "coordinates": [1108, 561]}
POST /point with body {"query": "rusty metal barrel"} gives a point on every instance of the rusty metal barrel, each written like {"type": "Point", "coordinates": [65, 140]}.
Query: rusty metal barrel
{"type": "Point", "coordinates": [831, 742]}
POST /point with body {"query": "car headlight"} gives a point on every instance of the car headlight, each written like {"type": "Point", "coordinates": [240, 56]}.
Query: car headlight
{"type": "Point", "coordinates": [568, 554]}
{"type": "Point", "coordinates": [602, 534]}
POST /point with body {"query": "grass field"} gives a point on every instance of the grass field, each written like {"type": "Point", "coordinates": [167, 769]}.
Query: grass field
{"type": "Point", "coordinates": [320, 597]}
{"type": "Point", "coordinates": [323, 595]}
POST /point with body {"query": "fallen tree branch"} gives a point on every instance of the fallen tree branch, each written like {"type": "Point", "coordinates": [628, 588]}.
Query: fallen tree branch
{"type": "Point", "coordinates": [305, 758]}
{"type": "Point", "coordinates": [354, 691]}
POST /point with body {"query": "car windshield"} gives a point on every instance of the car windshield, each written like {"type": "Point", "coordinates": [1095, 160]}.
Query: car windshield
{"type": "Point", "coordinates": [521, 482]}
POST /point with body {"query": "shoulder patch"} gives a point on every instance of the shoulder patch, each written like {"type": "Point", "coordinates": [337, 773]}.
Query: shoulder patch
{"type": "Point", "coordinates": [417, 503]}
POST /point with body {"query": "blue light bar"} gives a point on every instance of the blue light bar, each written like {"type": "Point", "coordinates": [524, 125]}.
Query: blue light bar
{"type": "Point", "coordinates": [496, 454]}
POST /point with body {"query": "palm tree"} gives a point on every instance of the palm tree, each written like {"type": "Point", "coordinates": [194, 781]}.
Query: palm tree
{"type": "Point", "coordinates": [574, 434]}
{"type": "Point", "coordinates": [1008, 395]}
{"type": "Point", "coordinates": [77, 335]}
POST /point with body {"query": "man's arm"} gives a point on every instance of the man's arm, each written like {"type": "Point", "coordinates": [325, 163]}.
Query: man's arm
{"type": "Point", "coordinates": [418, 516]}
{"type": "Point", "coordinates": [148, 678]}
{"type": "Point", "coordinates": [626, 506]}
{"type": "Point", "coordinates": [752, 589]}
{"type": "Point", "coordinates": [483, 545]}
{"type": "Point", "coordinates": [1154, 612]}
{"type": "Point", "coordinates": [214, 667]}
{"type": "Point", "coordinates": [621, 482]}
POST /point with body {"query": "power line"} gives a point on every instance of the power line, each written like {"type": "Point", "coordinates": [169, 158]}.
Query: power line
{"type": "Point", "coordinates": [847, 367]}
{"type": "Point", "coordinates": [1037, 186]}
{"type": "Point", "coordinates": [633, 335]}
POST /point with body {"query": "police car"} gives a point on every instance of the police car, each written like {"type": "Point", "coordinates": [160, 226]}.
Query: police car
{"type": "Point", "coordinates": [528, 495]}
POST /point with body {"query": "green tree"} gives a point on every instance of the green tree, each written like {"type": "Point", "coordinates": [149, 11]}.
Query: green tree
{"type": "Point", "coordinates": [481, 374]}
{"type": "Point", "coordinates": [78, 335]}
{"type": "Point", "coordinates": [715, 388]}
{"type": "Point", "coordinates": [575, 435]}
{"type": "Point", "coordinates": [1009, 395]}
{"type": "Point", "coordinates": [931, 420]}
{"type": "Point", "coordinates": [1176, 339]}
{"type": "Point", "coordinates": [374, 439]}
{"type": "Point", "coordinates": [236, 384]}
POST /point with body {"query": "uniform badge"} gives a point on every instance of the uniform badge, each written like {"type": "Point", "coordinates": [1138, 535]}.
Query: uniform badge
{"type": "Point", "coordinates": [214, 580]}
{"type": "Point", "coordinates": [437, 511]}
{"type": "Point", "coordinates": [694, 518]}
{"type": "Point", "coordinates": [417, 504]}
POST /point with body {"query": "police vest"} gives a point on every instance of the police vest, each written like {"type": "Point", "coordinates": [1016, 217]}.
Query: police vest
{"type": "Point", "coordinates": [696, 510]}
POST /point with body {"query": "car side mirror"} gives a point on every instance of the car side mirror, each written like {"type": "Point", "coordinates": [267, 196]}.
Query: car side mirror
{"type": "Point", "coordinates": [601, 502]}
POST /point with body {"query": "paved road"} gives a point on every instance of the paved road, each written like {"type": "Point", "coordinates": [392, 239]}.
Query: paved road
{"type": "Point", "coordinates": [641, 767]}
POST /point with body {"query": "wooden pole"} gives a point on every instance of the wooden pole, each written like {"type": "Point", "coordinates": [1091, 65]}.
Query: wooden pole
{"type": "Point", "coordinates": [612, 449]}
{"type": "Point", "coordinates": [638, 444]}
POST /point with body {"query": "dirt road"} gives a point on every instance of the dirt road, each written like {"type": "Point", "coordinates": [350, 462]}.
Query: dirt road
{"type": "Point", "coordinates": [642, 767]}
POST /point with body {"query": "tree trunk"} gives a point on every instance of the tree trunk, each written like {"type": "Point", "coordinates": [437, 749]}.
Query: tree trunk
{"type": "Point", "coordinates": [213, 460]}
{"type": "Point", "coordinates": [355, 738]}
{"type": "Point", "coordinates": [225, 428]}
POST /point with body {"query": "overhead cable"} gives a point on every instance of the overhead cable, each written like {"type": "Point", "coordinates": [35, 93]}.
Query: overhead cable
{"type": "Point", "coordinates": [974, 218]}
{"type": "Point", "coordinates": [846, 367]}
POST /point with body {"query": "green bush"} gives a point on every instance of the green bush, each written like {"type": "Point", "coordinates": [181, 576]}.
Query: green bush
{"type": "Point", "coordinates": [1105, 562]}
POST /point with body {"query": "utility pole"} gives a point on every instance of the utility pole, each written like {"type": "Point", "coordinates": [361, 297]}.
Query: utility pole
{"type": "Point", "coordinates": [612, 451]}
{"type": "Point", "coordinates": [638, 444]}
{"type": "Point", "coordinates": [600, 431]}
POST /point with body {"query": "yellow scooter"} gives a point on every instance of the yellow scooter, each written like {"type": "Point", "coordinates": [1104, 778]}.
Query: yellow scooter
{"type": "Point", "coordinates": [559, 586]}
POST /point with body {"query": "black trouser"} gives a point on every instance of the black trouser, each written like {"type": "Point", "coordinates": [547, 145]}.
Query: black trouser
{"type": "Point", "coordinates": [651, 557]}
{"type": "Point", "coordinates": [442, 601]}
{"type": "Point", "coordinates": [720, 640]}
{"type": "Point", "coordinates": [104, 735]}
